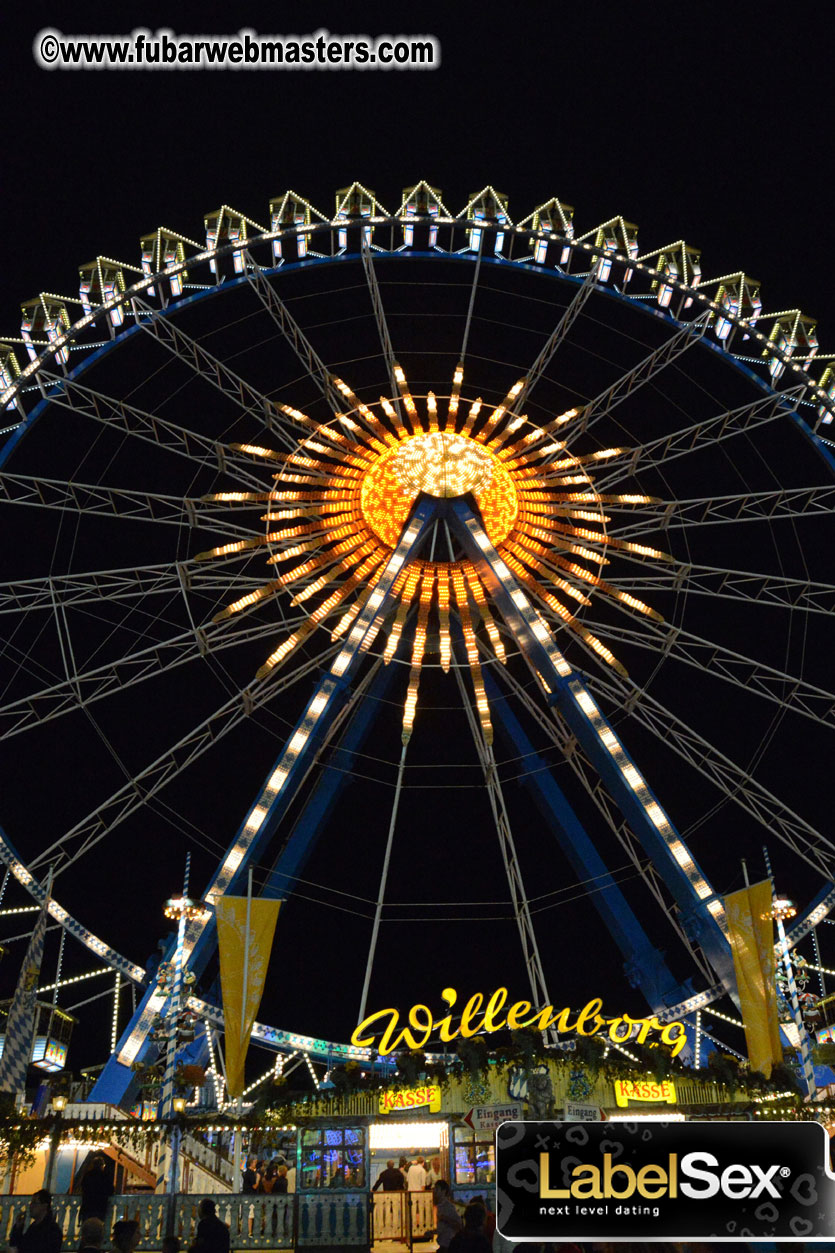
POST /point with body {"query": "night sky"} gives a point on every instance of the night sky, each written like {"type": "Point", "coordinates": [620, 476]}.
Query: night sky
{"type": "Point", "coordinates": [710, 123]}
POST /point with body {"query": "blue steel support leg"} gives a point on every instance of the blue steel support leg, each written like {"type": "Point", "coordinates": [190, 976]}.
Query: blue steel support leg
{"type": "Point", "coordinates": [290, 861]}
{"type": "Point", "coordinates": [266, 814]}
{"type": "Point", "coordinates": [701, 911]}
{"type": "Point", "coordinates": [644, 964]}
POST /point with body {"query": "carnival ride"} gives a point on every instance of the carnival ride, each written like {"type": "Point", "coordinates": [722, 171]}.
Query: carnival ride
{"type": "Point", "coordinates": [415, 460]}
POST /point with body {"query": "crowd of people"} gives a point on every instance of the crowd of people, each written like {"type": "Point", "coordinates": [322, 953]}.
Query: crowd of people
{"type": "Point", "coordinates": [409, 1176]}
{"type": "Point", "coordinates": [471, 1232]}
{"type": "Point", "coordinates": [267, 1177]}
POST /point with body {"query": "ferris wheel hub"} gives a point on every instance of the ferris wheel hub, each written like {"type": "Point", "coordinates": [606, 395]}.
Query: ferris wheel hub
{"type": "Point", "coordinates": [444, 464]}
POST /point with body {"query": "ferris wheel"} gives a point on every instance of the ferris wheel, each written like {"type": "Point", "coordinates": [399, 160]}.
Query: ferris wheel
{"type": "Point", "coordinates": [512, 532]}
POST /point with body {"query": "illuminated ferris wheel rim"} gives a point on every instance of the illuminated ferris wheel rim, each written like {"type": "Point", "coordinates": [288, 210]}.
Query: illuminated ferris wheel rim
{"type": "Point", "coordinates": [818, 396]}
{"type": "Point", "coordinates": [711, 310]}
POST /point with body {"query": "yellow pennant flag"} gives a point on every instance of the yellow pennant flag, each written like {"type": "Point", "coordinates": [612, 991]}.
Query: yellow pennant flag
{"type": "Point", "coordinates": [751, 933]}
{"type": "Point", "coordinates": [233, 945]}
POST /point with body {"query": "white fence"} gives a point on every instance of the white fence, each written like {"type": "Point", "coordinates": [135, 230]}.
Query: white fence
{"type": "Point", "coordinates": [402, 1216]}
{"type": "Point", "coordinates": [282, 1221]}
{"type": "Point", "coordinates": [279, 1221]}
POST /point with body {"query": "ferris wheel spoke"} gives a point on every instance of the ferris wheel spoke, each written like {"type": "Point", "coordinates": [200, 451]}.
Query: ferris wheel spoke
{"type": "Point", "coordinates": [70, 924]}
{"type": "Point", "coordinates": [690, 439]}
{"type": "Point", "coordinates": [734, 782]}
{"type": "Point", "coordinates": [468, 320]}
{"type": "Point", "coordinates": [313, 364]}
{"type": "Point", "coordinates": [566, 743]}
{"type": "Point", "coordinates": [153, 778]}
{"type": "Point", "coordinates": [740, 585]}
{"type": "Point", "coordinates": [201, 362]}
{"type": "Point", "coordinates": [111, 502]}
{"type": "Point", "coordinates": [557, 337]}
{"type": "Point", "coordinates": [150, 427]}
{"type": "Point", "coordinates": [213, 511]}
{"type": "Point", "coordinates": [127, 583]}
{"type": "Point", "coordinates": [641, 374]}
{"type": "Point", "coordinates": [85, 688]}
{"type": "Point", "coordinates": [380, 318]}
{"type": "Point", "coordinates": [792, 502]}
{"type": "Point", "coordinates": [786, 690]}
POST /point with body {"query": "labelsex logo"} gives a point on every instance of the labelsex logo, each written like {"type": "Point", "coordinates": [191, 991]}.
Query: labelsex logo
{"type": "Point", "coordinates": [697, 1176]}
{"type": "Point", "coordinates": [678, 1181]}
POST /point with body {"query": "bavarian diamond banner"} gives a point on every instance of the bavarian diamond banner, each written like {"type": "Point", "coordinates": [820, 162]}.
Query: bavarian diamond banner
{"type": "Point", "coordinates": [20, 1025]}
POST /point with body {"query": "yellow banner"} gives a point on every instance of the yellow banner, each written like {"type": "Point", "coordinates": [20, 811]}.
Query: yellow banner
{"type": "Point", "coordinates": [751, 933]}
{"type": "Point", "coordinates": [233, 945]}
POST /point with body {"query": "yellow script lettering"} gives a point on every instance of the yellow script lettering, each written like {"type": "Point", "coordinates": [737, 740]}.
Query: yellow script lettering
{"type": "Point", "coordinates": [674, 1034]}
{"type": "Point", "coordinates": [364, 1042]}
{"type": "Point", "coordinates": [516, 1015]}
{"type": "Point", "coordinates": [476, 1017]}
{"type": "Point", "coordinates": [590, 1011]}
{"type": "Point", "coordinates": [406, 1037]}
{"type": "Point", "coordinates": [444, 1025]}
{"type": "Point", "coordinates": [471, 1009]}
{"type": "Point", "coordinates": [494, 1005]}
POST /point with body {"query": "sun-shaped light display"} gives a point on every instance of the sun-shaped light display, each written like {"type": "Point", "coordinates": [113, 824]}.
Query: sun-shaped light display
{"type": "Point", "coordinates": [340, 500]}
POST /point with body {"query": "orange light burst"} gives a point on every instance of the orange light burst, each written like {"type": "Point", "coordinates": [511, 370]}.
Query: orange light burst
{"type": "Point", "coordinates": [341, 498]}
{"type": "Point", "coordinates": [442, 464]}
